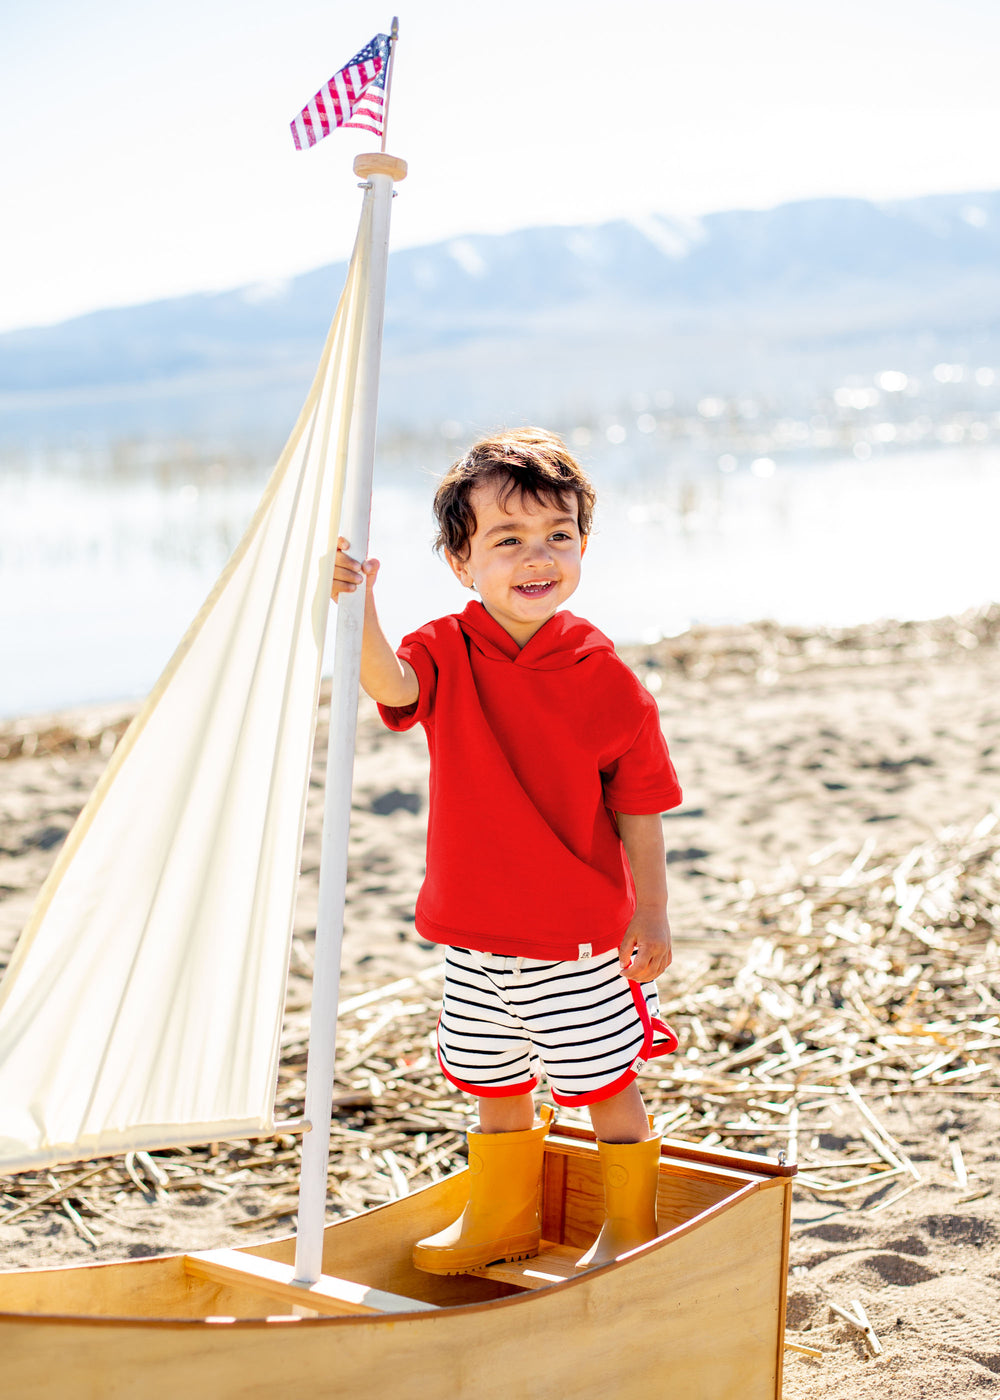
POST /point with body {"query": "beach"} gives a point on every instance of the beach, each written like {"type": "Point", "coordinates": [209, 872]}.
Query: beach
{"type": "Point", "coordinates": [835, 901]}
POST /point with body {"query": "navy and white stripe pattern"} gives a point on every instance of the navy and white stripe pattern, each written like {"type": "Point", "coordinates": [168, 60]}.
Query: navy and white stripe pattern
{"type": "Point", "coordinates": [504, 1019]}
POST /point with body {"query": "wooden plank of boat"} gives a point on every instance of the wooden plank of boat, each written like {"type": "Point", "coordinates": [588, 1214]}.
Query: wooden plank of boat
{"type": "Point", "coordinates": [554, 1263]}
{"type": "Point", "coordinates": [327, 1295]}
{"type": "Point", "coordinates": [151, 1330]}
{"type": "Point", "coordinates": [714, 1281]}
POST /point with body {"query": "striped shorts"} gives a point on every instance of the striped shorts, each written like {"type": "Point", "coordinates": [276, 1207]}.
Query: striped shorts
{"type": "Point", "coordinates": [503, 1020]}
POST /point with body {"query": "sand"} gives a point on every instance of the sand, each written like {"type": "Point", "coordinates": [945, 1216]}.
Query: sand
{"type": "Point", "coordinates": [787, 743]}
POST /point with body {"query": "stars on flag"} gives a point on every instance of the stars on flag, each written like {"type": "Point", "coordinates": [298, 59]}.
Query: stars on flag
{"type": "Point", "coordinates": [354, 96]}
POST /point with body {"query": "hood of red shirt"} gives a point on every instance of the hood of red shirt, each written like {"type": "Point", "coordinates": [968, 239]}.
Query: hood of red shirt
{"type": "Point", "coordinates": [559, 643]}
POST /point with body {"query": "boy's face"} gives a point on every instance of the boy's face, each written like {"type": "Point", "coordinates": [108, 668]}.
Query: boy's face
{"type": "Point", "coordinates": [524, 558]}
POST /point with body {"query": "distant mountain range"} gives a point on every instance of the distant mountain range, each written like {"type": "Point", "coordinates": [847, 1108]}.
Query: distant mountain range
{"type": "Point", "coordinates": [547, 323]}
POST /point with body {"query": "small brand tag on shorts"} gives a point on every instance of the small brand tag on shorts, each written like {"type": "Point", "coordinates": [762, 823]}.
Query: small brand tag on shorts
{"type": "Point", "coordinates": [637, 1065]}
{"type": "Point", "coordinates": [586, 949]}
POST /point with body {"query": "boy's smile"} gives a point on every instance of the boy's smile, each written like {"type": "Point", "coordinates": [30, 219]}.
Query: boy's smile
{"type": "Point", "coordinates": [524, 558]}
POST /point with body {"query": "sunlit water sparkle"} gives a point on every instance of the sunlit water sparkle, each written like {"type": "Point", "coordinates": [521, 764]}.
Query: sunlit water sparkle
{"type": "Point", "coordinates": [100, 574]}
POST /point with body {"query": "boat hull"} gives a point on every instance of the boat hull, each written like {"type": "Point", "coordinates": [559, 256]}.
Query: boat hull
{"type": "Point", "coordinates": [697, 1313]}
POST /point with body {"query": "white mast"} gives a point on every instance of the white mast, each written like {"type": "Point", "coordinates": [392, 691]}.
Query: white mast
{"type": "Point", "coordinates": [379, 171]}
{"type": "Point", "coordinates": [393, 36]}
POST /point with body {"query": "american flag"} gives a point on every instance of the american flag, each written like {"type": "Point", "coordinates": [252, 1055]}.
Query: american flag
{"type": "Point", "coordinates": [353, 97]}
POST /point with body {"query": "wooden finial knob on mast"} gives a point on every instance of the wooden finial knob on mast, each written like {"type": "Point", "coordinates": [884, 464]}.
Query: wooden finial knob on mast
{"type": "Point", "coordinates": [378, 163]}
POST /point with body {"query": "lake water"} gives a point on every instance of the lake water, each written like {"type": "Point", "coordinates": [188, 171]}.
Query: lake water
{"type": "Point", "coordinates": [100, 572]}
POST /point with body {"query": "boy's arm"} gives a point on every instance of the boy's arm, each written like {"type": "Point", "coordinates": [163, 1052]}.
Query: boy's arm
{"type": "Point", "coordinates": [384, 677]}
{"type": "Point", "coordinates": [645, 949]}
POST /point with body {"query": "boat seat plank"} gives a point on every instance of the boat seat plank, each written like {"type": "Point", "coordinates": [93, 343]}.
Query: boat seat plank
{"type": "Point", "coordinates": [552, 1264]}
{"type": "Point", "coordinates": [326, 1295]}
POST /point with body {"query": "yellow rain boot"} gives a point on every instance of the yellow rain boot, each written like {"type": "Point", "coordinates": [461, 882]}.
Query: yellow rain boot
{"type": "Point", "coordinates": [631, 1172]}
{"type": "Point", "coordinates": [502, 1220]}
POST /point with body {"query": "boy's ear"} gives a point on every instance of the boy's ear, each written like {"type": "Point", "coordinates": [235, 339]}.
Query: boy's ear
{"type": "Point", "coordinates": [583, 544]}
{"type": "Point", "coordinates": [460, 569]}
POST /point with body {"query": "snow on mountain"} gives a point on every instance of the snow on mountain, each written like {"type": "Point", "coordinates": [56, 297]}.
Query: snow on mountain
{"type": "Point", "coordinates": [531, 323]}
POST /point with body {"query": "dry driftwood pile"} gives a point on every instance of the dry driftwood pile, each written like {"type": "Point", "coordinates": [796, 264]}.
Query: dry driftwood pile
{"type": "Point", "coordinates": [761, 649]}
{"type": "Point", "coordinates": [858, 978]}
{"type": "Point", "coordinates": [863, 978]}
{"type": "Point", "coordinates": [30, 737]}
{"type": "Point", "coordinates": [766, 650]}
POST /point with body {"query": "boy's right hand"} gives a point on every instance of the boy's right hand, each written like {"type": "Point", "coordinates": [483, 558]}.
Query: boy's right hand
{"type": "Point", "coordinates": [349, 574]}
{"type": "Point", "coordinates": [384, 676]}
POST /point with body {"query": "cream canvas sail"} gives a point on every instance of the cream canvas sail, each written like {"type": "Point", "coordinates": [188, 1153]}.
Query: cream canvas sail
{"type": "Point", "coordinates": [143, 1003]}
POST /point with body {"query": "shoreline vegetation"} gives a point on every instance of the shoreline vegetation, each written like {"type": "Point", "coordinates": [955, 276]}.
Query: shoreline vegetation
{"type": "Point", "coordinates": [835, 886]}
{"type": "Point", "coordinates": [764, 651]}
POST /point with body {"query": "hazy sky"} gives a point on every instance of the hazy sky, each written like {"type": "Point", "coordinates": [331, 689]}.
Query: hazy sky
{"type": "Point", "coordinates": [146, 149]}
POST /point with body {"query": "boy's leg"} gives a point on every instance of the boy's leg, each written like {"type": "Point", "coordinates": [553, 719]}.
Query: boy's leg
{"type": "Point", "coordinates": [630, 1166]}
{"type": "Point", "coordinates": [514, 1114]}
{"type": "Point", "coordinates": [622, 1118]}
{"type": "Point", "coordinates": [486, 1052]}
{"type": "Point", "coordinates": [501, 1219]}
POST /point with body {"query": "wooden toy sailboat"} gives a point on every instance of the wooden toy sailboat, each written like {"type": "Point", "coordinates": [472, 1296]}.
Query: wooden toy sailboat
{"type": "Point", "coordinates": [143, 1004]}
{"type": "Point", "coordinates": [697, 1313]}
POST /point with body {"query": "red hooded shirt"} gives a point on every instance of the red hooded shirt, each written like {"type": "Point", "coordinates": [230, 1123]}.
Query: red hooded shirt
{"type": "Point", "coordinates": [532, 751]}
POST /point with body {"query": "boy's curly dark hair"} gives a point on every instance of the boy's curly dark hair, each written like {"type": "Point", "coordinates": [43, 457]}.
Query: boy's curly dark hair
{"type": "Point", "coordinates": [530, 461]}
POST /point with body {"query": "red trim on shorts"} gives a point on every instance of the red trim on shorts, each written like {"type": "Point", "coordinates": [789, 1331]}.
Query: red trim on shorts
{"type": "Point", "coordinates": [502, 1091]}
{"type": "Point", "coordinates": [668, 1044]}
{"type": "Point", "coordinates": [651, 1050]}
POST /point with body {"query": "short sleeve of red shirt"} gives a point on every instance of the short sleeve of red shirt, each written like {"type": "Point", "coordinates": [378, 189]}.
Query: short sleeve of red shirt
{"type": "Point", "coordinates": [640, 779]}
{"type": "Point", "coordinates": [400, 718]}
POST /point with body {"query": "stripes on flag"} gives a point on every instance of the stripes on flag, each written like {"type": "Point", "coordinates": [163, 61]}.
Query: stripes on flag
{"type": "Point", "coordinates": [354, 96]}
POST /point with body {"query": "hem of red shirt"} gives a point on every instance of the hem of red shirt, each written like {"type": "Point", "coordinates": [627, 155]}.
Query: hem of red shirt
{"type": "Point", "coordinates": [556, 948]}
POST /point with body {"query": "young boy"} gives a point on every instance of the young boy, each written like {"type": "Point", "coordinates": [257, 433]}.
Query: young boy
{"type": "Point", "coordinates": [546, 873]}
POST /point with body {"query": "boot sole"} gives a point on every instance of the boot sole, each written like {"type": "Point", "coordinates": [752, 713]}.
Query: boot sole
{"type": "Point", "coordinates": [513, 1257]}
